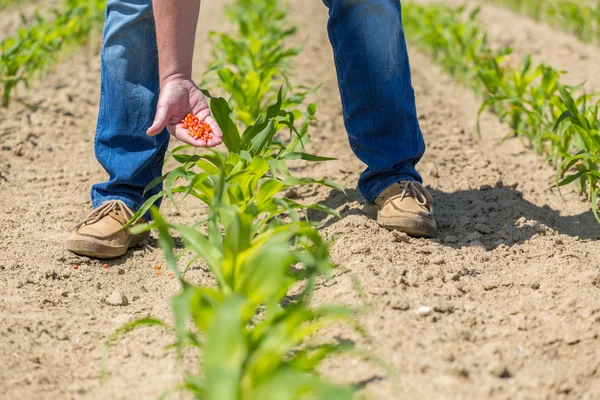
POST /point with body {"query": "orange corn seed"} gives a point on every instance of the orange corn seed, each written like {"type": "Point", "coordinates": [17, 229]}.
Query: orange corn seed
{"type": "Point", "coordinates": [197, 129]}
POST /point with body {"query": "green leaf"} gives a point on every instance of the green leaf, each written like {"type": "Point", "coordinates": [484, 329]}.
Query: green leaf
{"type": "Point", "coordinates": [306, 157]}
{"type": "Point", "coordinates": [565, 115]}
{"type": "Point", "coordinates": [225, 351]}
{"type": "Point", "coordinates": [222, 114]}
{"type": "Point", "coordinates": [144, 209]}
{"type": "Point", "coordinates": [568, 100]}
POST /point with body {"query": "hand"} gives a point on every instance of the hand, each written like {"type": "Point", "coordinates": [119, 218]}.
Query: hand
{"type": "Point", "coordinates": [178, 98]}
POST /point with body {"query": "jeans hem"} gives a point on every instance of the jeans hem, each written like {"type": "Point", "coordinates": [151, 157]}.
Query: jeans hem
{"type": "Point", "coordinates": [374, 191]}
{"type": "Point", "coordinates": [131, 204]}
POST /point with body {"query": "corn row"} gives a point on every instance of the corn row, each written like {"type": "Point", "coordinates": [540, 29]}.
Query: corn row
{"type": "Point", "coordinates": [37, 46]}
{"type": "Point", "coordinates": [555, 120]}
{"type": "Point", "coordinates": [257, 243]}
{"type": "Point", "coordinates": [582, 18]}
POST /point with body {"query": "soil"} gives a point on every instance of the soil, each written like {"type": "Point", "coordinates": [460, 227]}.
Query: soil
{"type": "Point", "coordinates": [505, 303]}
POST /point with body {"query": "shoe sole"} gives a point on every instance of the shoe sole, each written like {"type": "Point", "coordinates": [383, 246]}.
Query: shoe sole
{"type": "Point", "coordinates": [96, 248]}
{"type": "Point", "coordinates": [415, 227]}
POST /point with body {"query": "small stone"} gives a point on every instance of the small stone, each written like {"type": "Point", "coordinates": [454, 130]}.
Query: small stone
{"type": "Point", "coordinates": [401, 237]}
{"type": "Point", "coordinates": [490, 286]}
{"type": "Point", "coordinates": [499, 184]}
{"type": "Point", "coordinates": [485, 187]}
{"type": "Point", "coordinates": [535, 286]}
{"type": "Point", "coordinates": [423, 311]}
{"type": "Point", "coordinates": [121, 271]}
{"type": "Point", "coordinates": [116, 298]}
{"type": "Point", "coordinates": [473, 236]}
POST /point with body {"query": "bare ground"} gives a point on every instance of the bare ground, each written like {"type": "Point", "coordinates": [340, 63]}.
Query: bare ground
{"type": "Point", "coordinates": [504, 304]}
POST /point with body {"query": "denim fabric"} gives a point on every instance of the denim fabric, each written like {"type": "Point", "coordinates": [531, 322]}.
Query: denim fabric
{"type": "Point", "coordinates": [377, 95]}
{"type": "Point", "coordinates": [373, 73]}
{"type": "Point", "coordinates": [128, 97]}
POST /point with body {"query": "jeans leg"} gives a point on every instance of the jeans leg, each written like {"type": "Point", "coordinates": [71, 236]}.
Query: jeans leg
{"type": "Point", "coordinates": [129, 93]}
{"type": "Point", "coordinates": [376, 90]}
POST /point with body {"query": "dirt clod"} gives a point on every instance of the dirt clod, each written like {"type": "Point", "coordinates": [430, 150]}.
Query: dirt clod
{"type": "Point", "coordinates": [116, 298]}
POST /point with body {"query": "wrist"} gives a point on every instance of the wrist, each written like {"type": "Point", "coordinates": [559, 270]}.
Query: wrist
{"type": "Point", "coordinates": [174, 78]}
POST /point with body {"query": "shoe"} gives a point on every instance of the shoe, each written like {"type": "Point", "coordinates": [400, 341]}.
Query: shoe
{"type": "Point", "coordinates": [406, 207]}
{"type": "Point", "coordinates": [99, 235]}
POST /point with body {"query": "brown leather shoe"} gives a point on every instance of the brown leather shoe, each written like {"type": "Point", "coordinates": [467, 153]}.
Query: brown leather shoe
{"type": "Point", "coordinates": [99, 235]}
{"type": "Point", "coordinates": [407, 207]}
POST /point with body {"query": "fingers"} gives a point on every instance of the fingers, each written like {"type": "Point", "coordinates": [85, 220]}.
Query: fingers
{"type": "Point", "coordinates": [214, 126]}
{"type": "Point", "coordinates": [160, 121]}
{"type": "Point", "coordinates": [176, 100]}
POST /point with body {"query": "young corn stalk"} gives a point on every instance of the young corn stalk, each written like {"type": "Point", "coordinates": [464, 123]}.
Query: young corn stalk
{"type": "Point", "coordinates": [258, 244]}
{"type": "Point", "coordinates": [37, 45]}
{"type": "Point", "coordinates": [531, 99]}
{"type": "Point", "coordinates": [254, 61]}
{"type": "Point", "coordinates": [581, 18]}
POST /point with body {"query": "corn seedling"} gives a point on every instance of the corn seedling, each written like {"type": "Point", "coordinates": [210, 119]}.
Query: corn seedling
{"type": "Point", "coordinates": [37, 45]}
{"type": "Point", "coordinates": [531, 99]}
{"type": "Point", "coordinates": [253, 329]}
{"type": "Point", "coordinates": [582, 18]}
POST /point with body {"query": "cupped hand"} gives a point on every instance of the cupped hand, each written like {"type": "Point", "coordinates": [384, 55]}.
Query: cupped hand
{"type": "Point", "coordinates": [177, 99]}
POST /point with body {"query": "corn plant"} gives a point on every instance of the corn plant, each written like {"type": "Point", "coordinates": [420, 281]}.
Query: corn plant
{"type": "Point", "coordinates": [253, 329]}
{"type": "Point", "coordinates": [257, 248]}
{"type": "Point", "coordinates": [38, 44]}
{"type": "Point", "coordinates": [249, 342]}
{"type": "Point", "coordinates": [582, 123]}
{"type": "Point", "coordinates": [252, 61]}
{"type": "Point", "coordinates": [578, 17]}
{"type": "Point", "coordinates": [530, 99]}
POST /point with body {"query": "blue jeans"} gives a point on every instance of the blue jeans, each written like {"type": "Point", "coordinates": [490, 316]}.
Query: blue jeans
{"type": "Point", "coordinates": [128, 98]}
{"type": "Point", "coordinates": [373, 73]}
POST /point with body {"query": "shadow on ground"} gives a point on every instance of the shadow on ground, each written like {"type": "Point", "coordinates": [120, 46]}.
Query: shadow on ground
{"type": "Point", "coordinates": [493, 217]}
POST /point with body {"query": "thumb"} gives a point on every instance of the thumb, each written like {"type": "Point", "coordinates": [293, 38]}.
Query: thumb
{"type": "Point", "coordinates": [160, 121]}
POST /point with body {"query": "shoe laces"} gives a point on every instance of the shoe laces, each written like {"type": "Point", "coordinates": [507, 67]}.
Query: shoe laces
{"type": "Point", "coordinates": [105, 210]}
{"type": "Point", "coordinates": [414, 190]}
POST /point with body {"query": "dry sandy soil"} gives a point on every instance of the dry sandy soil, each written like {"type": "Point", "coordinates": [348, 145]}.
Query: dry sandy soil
{"type": "Point", "coordinates": [505, 304]}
